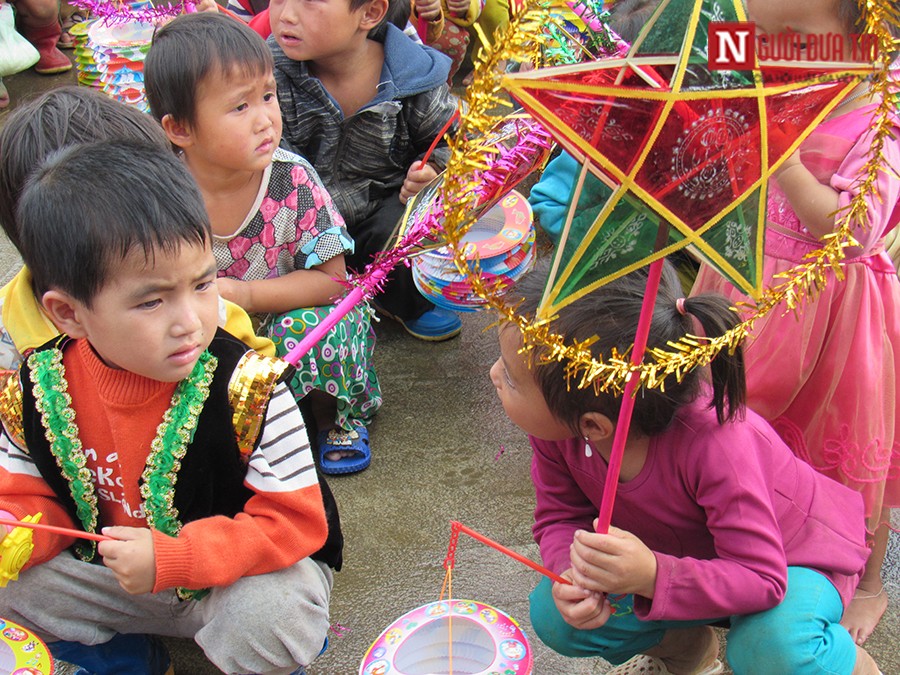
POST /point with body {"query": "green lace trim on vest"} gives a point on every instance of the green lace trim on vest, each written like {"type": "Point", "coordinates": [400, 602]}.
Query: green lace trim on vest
{"type": "Point", "coordinates": [173, 435]}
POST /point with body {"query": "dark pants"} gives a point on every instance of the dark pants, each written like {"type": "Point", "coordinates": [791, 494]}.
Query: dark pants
{"type": "Point", "coordinates": [400, 296]}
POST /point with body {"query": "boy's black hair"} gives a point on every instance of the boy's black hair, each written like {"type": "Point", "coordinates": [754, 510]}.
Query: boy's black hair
{"type": "Point", "coordinates": [88, 207]}
{"type": "Point", "coordinates": [398, 13]}
{"type": "Point", "coordinates": [188, 49]}
{"type": "Point", "coordinates": [40, 127]}
{"type": "Point", "coordinates": [610, 314]}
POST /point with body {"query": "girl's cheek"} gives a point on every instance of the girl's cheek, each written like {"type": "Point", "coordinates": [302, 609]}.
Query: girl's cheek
{"type": "Point", "coordinates": [495, 374]}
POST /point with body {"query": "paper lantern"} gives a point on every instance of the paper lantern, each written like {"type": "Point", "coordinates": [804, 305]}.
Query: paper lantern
{"type": "Point", "coordinates": [22, 652]}
{"type": "Point", "coordinates": [485, 641]}
{"type": "Point", "coordinates": [502, 241]}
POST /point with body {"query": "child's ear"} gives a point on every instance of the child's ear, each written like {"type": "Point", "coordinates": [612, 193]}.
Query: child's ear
{"type": "Point", "coordinates": [596, 427]}
{"type": "Point", "coordinates": [179, 133]}
{"type": "Point", "coordinates": [65, 312]}
{"type": "Point", "coordinates": [373, 12]}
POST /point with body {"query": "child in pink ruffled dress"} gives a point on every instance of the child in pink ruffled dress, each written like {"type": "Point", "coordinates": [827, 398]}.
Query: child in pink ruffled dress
{"type": "Point", "coordinates": [826, 376]}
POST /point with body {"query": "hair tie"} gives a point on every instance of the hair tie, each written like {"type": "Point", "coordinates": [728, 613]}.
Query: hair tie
{"type": "Point", "coordinates": [679, 305]}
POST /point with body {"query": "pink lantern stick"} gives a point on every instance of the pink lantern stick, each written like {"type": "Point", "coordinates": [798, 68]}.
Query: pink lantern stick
{"type": "Point", "coordinates": [340, 310]}
{"type": "Point", "coordinates": [582, 12]}
{"type": "Point", "coordinates": [624, 422]}
{"type": "Point", "coordinates": [56, 530]}
{"type": "Point", "coordinates": [376, 274]}
{"type": "Point", "coordinates": [509, 166]}
{"type": "Point", "coordinates": [440, 135]}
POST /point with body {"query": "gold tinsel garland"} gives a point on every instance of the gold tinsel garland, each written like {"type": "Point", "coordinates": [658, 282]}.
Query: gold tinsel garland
{"type": "Point", "coordinates": [521, 41]}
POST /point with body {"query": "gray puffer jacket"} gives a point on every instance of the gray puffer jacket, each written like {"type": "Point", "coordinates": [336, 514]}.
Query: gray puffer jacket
{"type": "Point", "coordinates": [364, 158]}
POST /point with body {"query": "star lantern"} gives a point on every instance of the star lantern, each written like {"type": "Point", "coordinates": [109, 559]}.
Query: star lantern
{"type": "Point", "coordinates": [673, 154]}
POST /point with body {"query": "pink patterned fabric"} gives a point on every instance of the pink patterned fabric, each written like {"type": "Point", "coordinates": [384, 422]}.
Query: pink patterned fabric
{"type": "Point", "coordinates": [826, 376]}
{"type": "Point", "coordinates": [292, 226]}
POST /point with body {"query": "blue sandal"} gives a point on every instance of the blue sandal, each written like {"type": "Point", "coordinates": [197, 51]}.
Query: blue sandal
{"type": "Point", "coordinates": [339, 440]}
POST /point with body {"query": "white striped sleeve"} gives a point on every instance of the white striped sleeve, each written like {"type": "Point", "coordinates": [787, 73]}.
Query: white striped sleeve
{"type": "Point", "coordinates": [15, 459]}
{"type": "Point", "coordinates": [283, 461]}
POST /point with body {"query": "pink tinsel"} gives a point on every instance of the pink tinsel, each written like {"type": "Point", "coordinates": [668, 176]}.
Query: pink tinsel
{"type": "Point", "coordinates": [113, 12]}
{"type": "Point", "coordinates": [506, 168]}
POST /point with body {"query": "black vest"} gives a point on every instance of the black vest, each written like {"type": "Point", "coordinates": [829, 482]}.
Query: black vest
{"type": "Point", "coordinates": [211, 478]}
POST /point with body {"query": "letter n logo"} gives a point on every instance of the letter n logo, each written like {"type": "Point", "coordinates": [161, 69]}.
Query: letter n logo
{"type": "Point", "coordinates": [731, 45]}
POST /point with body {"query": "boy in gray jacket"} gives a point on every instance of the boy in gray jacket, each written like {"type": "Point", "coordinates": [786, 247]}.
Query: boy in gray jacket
{"type": "Point", "coordinates": [364, 110]}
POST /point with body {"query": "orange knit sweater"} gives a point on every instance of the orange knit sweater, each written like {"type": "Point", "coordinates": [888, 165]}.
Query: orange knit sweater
{"type": "Point", "coordinates": [117, 413]}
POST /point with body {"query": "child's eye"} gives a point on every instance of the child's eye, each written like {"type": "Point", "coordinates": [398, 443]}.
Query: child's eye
{"type": "Point", "coordinates": [240, 107]}
{"type": "Point", "coordinates": [150, 304]}
{"type": "Point", "coordinates": [204, 285]}
{"type": "Point", "coordinates": [269, 96]}
{"type": "Point", "coordinates": [508, 378]}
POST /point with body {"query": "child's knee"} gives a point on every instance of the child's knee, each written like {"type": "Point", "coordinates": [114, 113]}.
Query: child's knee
{"type": "Point", "coordinates": [766, 647]}
{"type": "Point", "coordinates": [756, 647]}
{"type": "Point", "coordinates": [269, 621]}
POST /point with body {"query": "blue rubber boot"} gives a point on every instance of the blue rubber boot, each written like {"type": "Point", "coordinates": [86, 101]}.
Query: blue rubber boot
{"type": "Point", "coordinates": [123, 655]}
{"type": "Point", "coordinates": [435, 325]}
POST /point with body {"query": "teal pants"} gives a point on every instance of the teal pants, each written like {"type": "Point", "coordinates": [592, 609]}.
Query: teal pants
{"type": "Point", "coordinates": [801, 636]}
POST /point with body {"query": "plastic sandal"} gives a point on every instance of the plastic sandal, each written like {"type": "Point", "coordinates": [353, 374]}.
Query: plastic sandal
{"type": "Point", "coordinates": [66, 39]}
{"type": "Point", "coordinates": [650, 665]}
{"type": "Point", "coordinates": [339, 440]}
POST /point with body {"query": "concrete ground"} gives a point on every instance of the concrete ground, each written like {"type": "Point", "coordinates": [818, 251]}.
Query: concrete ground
{"type": "Point", "coordinates": [442, 450]}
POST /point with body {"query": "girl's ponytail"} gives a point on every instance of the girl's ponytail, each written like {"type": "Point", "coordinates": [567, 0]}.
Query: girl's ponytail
{"type": "Point", "coordinates": [715, 316]}
{"type": "Point", "coordinates": [607, 318]}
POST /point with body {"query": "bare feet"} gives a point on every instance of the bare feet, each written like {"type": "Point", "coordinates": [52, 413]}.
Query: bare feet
{"type": "Point", "coordinates": [864, 612]}
{"type": "Point", "coordinates": [688, 650]}
{"type": "Point", "coordinates": [869, 602]}
{"type": "Point", "coordinates": [865, 664]}
{"type": "Point", "coordinates": [334, 434]}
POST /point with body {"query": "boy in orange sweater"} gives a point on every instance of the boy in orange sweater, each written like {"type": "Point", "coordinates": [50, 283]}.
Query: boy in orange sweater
{"type": "Point", "coordinates": [150, 425]}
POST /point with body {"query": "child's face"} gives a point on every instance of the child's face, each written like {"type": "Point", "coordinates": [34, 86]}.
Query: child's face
{"type": "Point", "coordinates": [155, 317]}
{"type": "Point", "coordinates": [519, 393]}
{"type": "Point", "coordinates": [818, 17]}
{"type": "Point", "coordinates": [314, 30]}
{"type": "Point", "coordinates": [237, 124]}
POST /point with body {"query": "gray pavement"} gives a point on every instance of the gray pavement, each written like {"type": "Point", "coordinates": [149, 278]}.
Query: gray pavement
{"type": "Point", "coordinates": [442, 450]}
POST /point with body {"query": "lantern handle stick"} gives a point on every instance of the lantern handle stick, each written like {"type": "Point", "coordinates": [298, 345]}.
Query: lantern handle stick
{"type": "Point", "coordinates": [355, 296]}
{"type": "Point", "coordinates": [623, 422]}
{"type": "Point", "coordinates": [55, 530]}
{"type": "Point", "coordinates": [437, 139]}
{"type": "Point", "coordinates": [512, 554]}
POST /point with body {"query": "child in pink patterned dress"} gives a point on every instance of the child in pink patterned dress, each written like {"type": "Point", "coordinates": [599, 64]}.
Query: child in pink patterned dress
{"type": "Point", "coordinates": [826, 376]}
{"type": "Point", "coordinates": [278, 239]}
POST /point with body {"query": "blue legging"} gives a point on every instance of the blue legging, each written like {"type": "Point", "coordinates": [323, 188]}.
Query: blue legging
{"type": "Point", "coordinates": [802, 635]}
